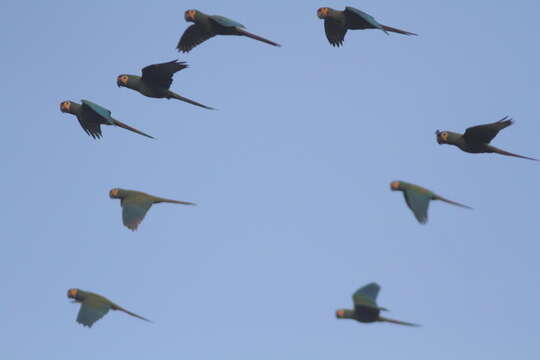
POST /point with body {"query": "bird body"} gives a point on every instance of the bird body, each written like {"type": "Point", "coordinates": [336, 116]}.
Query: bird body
{"type": "Point", "coordinates": [91, 116]}
{"type": "Point", "coordinates": [156, 80]}
{"type": "Point", "coordinates": [94, 306]}
{"type": "Point", "coordinates": [366, 309]}
{"type": "Point", "coordinates": [477, 139]}
{"type": "Point", "coordinates": [207, 26]}
{"type": "Point", "coordinates": [135, 205]}
{"type": "Point", "coordinates": [336, 23]}
{"type": "Point", "coordinates": [418, 198]}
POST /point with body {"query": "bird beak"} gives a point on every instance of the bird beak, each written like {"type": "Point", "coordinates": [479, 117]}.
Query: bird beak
{"type": "Point", "coordinates": [72, 293]}
{"type": "Point", "coordinates": [113, 193]}
{"type": "Point", "coordinates": [394, 185]}
{"type": "Point", "coordinates": [121, 81]}
{"type": "Point", "coordinates": [189, 15]}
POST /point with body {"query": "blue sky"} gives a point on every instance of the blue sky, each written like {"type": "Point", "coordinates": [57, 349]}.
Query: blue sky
{"type": "Point", "coordinates": [291, 176]}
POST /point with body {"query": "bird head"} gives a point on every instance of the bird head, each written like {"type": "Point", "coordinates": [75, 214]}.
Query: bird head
{"type": "Point", "coordinates": [190, 15]}
{"type": "Point", "coordinates": [72, 293]}
{"type": "Point", "coordinates": [442, 137]}
{"type": "Point", "coordinates": [65, 106]}
{"type": "Point", "coordinates": [122, 80]}
{"type": "Point", "coordinates": [322, 13]}
{"type": "Point", "coordinates": [115, 193]}
{"type": "Point", "coordinates": [340, 314]}
{"type": "Point", "coordinates": [395, 185]}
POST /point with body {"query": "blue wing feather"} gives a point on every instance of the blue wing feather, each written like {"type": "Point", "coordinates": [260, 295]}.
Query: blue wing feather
{"type": "Point", "coordinates": [133, 212]}
{"type": "Point", "coordinates": [223, 21]}
{"type": "Point", "coordinates": [418, 203]}
{"type": "Point", "coordinates": [99, 110]}
{"type": "Point", "coordinates": [90, 312]}
{"type": "Point", "coordinates": [370, 19]}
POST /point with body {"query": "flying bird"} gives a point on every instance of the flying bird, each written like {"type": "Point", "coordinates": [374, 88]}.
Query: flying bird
{"type": "Point", "coordinates": [91, 116]}
{"type": "Point", "coordinates": [156, 80]}
{"type": "Point", "coordinates": [94, 307]}
{"type": "Point", "coordinates": [207, 26]}
{"type": "Point", "coordinates": [418, 198]}
{"type": "Point", "coordinates": [477, 138]}
{"type": "Point", "coordinates": [135, 205]}
{"type": "Point", "coordinates": [336, 23]}
{"type": "Point", "coordinates": [366, 309]}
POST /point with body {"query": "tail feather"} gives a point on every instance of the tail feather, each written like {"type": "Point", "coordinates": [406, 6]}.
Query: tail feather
{"type": "Point", "coordinates": [116, 307]}
{"type": "Point", "coordinates": [163, 200]}
{"type": "Point", "coordinates": [391, 29]}
{"type": "Point", "coordinates": [189, 101]}
{"type": "Point", "coordinates": [503, 152]}
{"type": "Point", "coordinates": [127, 127]}
{"type": "Point", "coordinates": [256, 37]}
{"type": "Point", "coordinates": [437, 197]}
{"type": "Point", "coordinates": [396, 321]}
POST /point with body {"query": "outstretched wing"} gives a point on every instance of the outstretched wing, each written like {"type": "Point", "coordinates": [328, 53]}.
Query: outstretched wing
{"type": "Point", "coordinates": [418, 203]}
{"type": "Point", "coordinates": [485, 133]}
{"type": "Point", "coordinates": [91, 311]}
{"type": "Point", "coordinates": [90, 125]}
{"type": "Point", "coordinates": [223, 21]}
{"type": "Point", "coordinates": [100, 111]}
{"type": "Point", "coordinates": [161, 75]}
{"type": "Point", "coordinates": [193, 36]}
{"type": "Point", "coordinates": [133, 211]}
{"type": "Point", "coordinates": [366, 296]}
{"type": "Point", "coordinates": [335, 32]}
{"type": "Point", "coordinates": [357, 19]}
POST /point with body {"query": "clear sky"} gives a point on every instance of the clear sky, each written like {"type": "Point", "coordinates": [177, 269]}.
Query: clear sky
{"type": "Point", "coordinates": [291, 176]}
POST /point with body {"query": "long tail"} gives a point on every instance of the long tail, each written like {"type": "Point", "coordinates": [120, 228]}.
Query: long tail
{"type": "Point", "coordinates": [163, 200]}
{"type": "Point", "coordinates": [391, 29]}
{"type": "Point", "coordinates": [502, 152]}
{"type": "Point", "coordinates": [256, 37]}
{"type": "Point", "coordinates": [396, 321]}
{"type": "Point", "coordinates": [437, 197]}
{"type": "Point", "coordinates": [189, 101]}
{"type": "Point", "coordinates": [127, 127]}
{"type": "Point", "coordinates": [116, 307]}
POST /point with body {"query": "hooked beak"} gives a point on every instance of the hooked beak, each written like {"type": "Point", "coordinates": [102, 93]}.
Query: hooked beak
{"type": "Point", "coordinates": [64, 106]}
{"type": "Point", "coordinates": [439, 139]}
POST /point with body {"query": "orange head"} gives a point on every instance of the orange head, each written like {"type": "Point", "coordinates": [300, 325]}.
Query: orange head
{"type": "Point", "coordinates": [442, 136]}
{"type": "Point", "coordinates": [72, 293]}
{"type": "Point", "coordinates": [122, 80]}
{"type": "Point", "coordinates": [65, 106]}
{"type": "Point", "coordinates": [322, 12]}
{"type": "Point", "coordinates": [395, 185]}
{"type": "Point", "coordinates": [189, 15]}
{"type": "Point", "coordinates": [113, 194]}
{"type": "Point", "coordinates": [340, 314]}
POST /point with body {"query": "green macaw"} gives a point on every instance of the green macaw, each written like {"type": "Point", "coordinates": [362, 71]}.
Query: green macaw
{"type": "Point", "coordinates": [336, 23]}
{"type": "Point", "coordinates": [477, 138]}
{"type": "Point", "coordinates": [91, 116]}
{"type": "Point", "coordinates": [156, 80]}
{"type": "Point", "coordinates": [207, 26]}
{"type": "Point", "coordinates": [94, 307]}
{"type": "Point", "coordinates": [418, 198]}
{"type": "Point", "coordinates": [135, 205]}
{"type": "Point", "coordinates": [366, 309]}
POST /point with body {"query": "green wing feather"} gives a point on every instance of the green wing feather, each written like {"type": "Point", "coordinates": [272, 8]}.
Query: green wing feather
{"type": "Point", "coordinates": [133, 211]}
{"type": "Point", "coordinates": [92, 309]}
{"type": "Point", "coordinates": [418, 203]}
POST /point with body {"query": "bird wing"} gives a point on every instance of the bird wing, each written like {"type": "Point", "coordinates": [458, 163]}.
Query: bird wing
{"type": "Point", "coordinates": [418, 203]}
{"type": "Point", "coordinates": [357, 19]}
{"type": "Point", "coordinates": [161, 75]}
{"type": "Point", "coordinates": [92, 309]}
{"type": "Point", "coordinates": [485, 133]}
{"type": "Point", "coordinates": [193, 36]}
{"type": "Point", "coordinates": [133, 211]}
{"type": "Point", "coordinates": [335, 32]}
{"type": "Point", "coordinates": [366, 296]}
{"type": "Point", "coordinates": [223, 21]}
{"type": "Point", "coordinates": [90, 126]}
{"type": "Point", "coordinates": [100, 111]}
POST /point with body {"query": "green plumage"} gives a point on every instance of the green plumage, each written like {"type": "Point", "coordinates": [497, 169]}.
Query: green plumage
{"type": "Point", "coordinates": [476, 139]}
{"type": "Point", "coordinates": [91, 116]}
{"type": "Point", "coordinates": [366, 309]}
{"type": "Point", "coordinates": [135, 205]}
{"type": "Point", "coordinates": [418, 198]}
{"type": "Point", "coordinates": [207, 26]}
{"type": "Point", "coordinates": [155, 82]}
{"type": "Point", "coordinates": [94, 307]}
{"type": "Point", "coordinates": [336, 23]}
